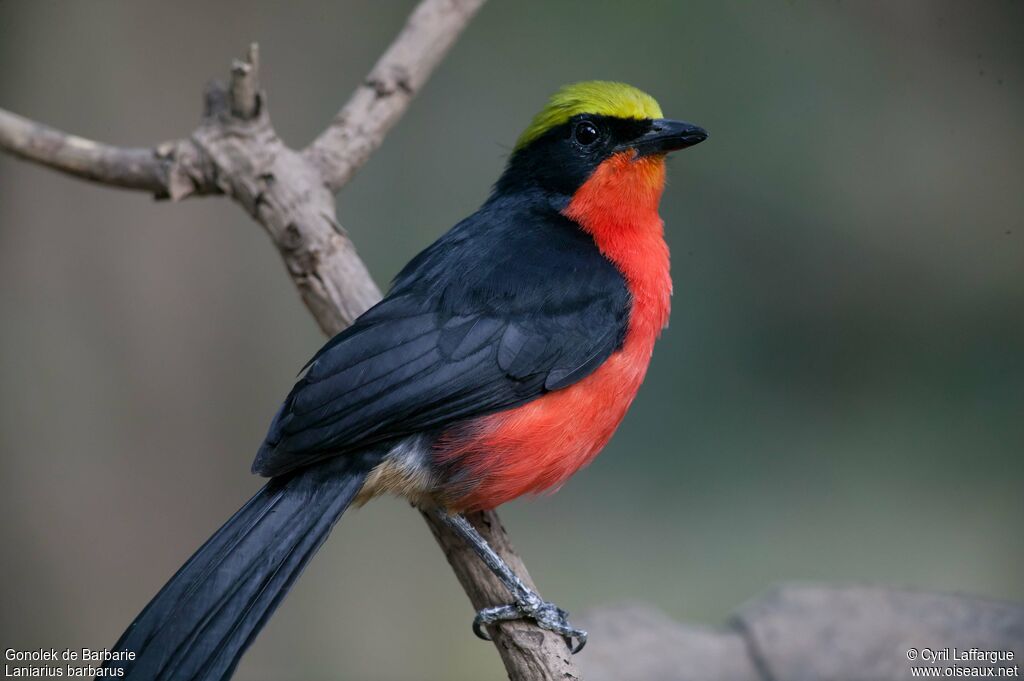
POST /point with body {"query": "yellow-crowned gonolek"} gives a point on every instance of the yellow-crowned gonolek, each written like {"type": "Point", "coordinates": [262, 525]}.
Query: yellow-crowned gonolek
{"type": "Point", "coordinates": [500, 362]}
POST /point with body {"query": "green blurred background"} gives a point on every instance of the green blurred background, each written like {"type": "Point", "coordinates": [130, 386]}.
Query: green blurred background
{"type": "Point", "coordinates": [840, 395]}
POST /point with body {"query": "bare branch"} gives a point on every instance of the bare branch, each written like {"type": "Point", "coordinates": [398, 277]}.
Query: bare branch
{"type": "Point", "coordinates": [245, 85]}
{"type": "Point", "coordinates": [384, 95]}
{"type": "Point", "coordinates": [130, 168]}
{"type": "Point", "coordinates": [171, 170]}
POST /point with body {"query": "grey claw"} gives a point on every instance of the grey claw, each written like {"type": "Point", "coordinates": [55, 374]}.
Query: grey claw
{"type": "Point", "coordinates": [581, 641]}
{"type": "Point", "coordinates": [551, 617]}
{"type": "Point", "coordinates": [546, 615]}
{"type": "Point", "coordinates": [499, 613]}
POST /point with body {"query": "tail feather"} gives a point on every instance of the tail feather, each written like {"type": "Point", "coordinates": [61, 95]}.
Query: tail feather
{"type": "Point", "coordinates": [200, 623]}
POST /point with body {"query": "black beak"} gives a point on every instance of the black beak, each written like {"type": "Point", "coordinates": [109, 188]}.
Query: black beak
{"type": "Point", "coordinates": [665, 136]}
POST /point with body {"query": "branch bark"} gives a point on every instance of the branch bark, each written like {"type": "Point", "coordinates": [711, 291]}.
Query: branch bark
{"type": "Point", "coordinates": [235, 151]}
{"type": "Point", "coordinates": [80, 157]}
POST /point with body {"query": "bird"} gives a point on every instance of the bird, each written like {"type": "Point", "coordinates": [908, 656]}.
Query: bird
{"type": "Point", "coordinates": [500, 362]}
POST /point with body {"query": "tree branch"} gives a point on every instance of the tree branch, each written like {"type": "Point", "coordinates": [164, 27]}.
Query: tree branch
{"type": "Point", "coordinates": [384, 95]}
{"type": "Point", "coordinates": [170, 170]}
{"type": "Point", "coordinates": [235, 151]}
{"type": "Point", "coordinates": [80, 157]}
{"type": "Point", "coordinates": [245, 86]}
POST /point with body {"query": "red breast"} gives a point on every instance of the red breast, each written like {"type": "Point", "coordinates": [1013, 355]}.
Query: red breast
{"type": "Point", "coordinates": [538, 446]}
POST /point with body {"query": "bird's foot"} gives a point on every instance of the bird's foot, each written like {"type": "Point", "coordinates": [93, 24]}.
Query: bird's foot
{"type": "Point", "coordinates": [528, 604]}
{"type": "Point", "coordinates": [546, 615]}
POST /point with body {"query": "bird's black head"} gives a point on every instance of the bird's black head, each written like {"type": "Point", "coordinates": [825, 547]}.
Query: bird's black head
{"type": "Point", "coordinates": [584, 125]}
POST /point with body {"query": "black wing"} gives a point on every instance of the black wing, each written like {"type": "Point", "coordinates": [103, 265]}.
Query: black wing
{"type": "Point", "coordinates": [496, 313]}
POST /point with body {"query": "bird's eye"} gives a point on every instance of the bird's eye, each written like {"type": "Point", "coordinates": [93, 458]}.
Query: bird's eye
{"type": "Point", "coordinates": [585, 133]}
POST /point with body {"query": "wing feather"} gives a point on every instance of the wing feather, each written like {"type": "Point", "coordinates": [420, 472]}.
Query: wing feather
{"type": "Point", "coordinates": [454, 341]}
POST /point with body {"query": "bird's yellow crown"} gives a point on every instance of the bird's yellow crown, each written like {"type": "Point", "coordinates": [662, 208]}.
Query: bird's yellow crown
{"type": "Point", "coordinates": [598, 97]}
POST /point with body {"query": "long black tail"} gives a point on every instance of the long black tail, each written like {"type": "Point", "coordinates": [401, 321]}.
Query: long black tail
{"type": "Point", "coordinates": [205, 617]}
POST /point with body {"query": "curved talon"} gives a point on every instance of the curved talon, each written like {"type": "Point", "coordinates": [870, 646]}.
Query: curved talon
{"type": "Point", "coordinates": [499, 613]}
{"type": "Point", "coordinates": [478, 629]}
{"type": "Point", "coordinates": [581, 638]}
{"type": "Point", "coordinates": [555, 619]}
{"type": "Point", "coordinates": [547, 616]}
